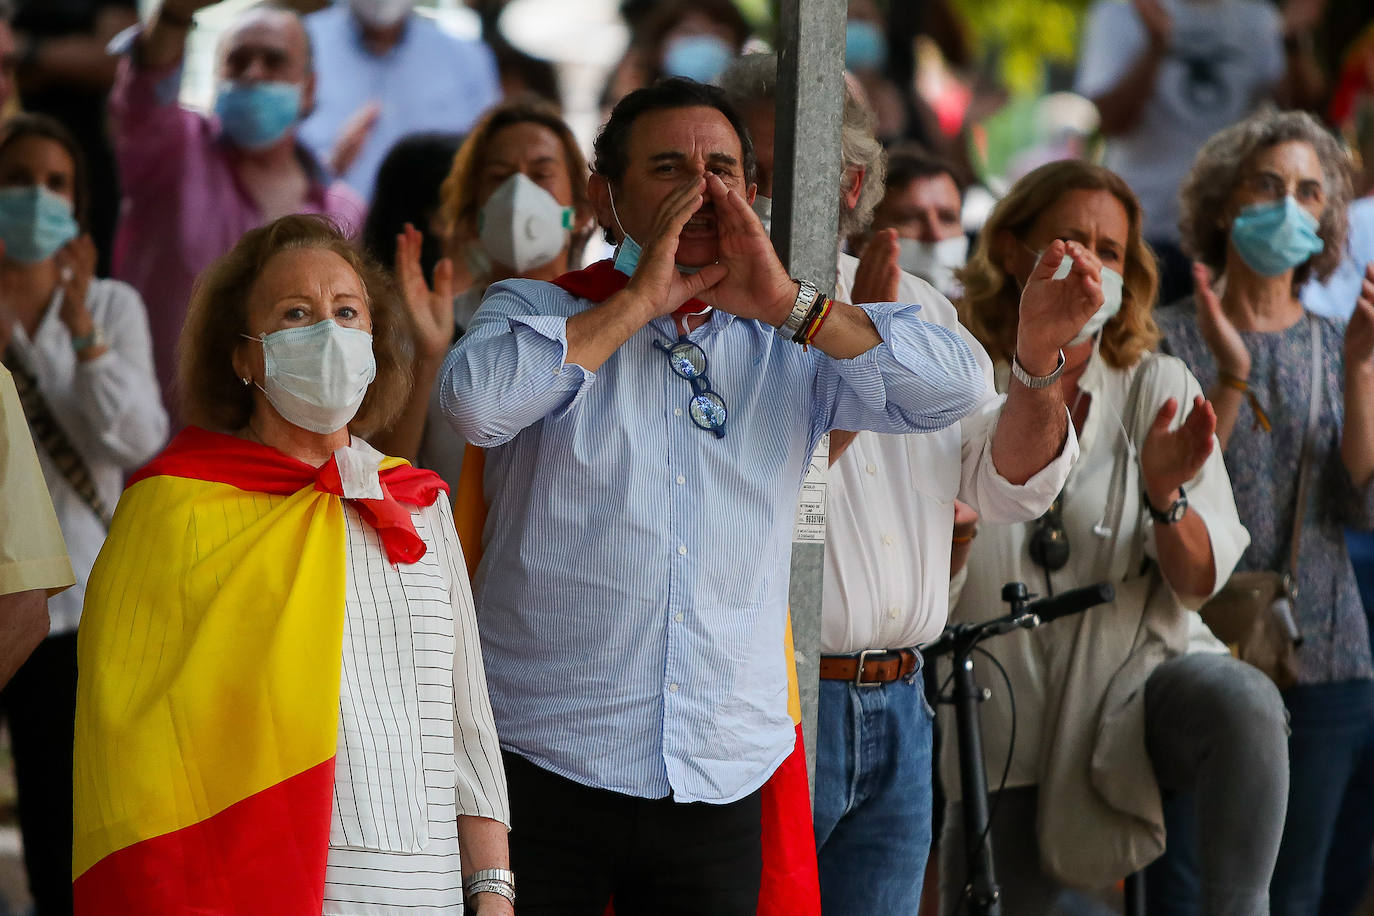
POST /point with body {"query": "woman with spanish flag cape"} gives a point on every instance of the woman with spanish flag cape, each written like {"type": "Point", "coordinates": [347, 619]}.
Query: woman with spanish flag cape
{"type": "Point", "coordinates": [282, 707]}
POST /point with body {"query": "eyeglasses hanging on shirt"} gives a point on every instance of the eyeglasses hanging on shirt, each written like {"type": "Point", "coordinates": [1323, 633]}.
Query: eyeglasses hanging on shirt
{"type": "Point", "coordinates": [706, 407]}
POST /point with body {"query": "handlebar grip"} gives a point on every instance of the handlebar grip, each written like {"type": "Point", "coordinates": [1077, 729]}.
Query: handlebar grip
{"type": "Point", "coordinates": [1073, 601]}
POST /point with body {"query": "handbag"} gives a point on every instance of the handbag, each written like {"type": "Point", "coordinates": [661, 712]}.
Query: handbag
{"type": "Point", "coordinates": [1253, 611]}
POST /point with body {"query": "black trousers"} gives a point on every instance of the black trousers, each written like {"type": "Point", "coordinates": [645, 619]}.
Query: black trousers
{"type": "Point", "coordinates": [40, 706]}
{"type": "Point", "coordinates": [574, 849]}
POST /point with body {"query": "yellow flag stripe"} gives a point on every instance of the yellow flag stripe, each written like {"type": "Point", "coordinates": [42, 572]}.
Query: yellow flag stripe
{"type": "Point", "coordinates": [209, 653]}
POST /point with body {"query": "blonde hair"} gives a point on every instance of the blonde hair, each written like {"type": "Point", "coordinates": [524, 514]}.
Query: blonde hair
{"type": "Point", "coordinates": [210, 392]}
{"type": "Point", "coordinates": [991, 304]}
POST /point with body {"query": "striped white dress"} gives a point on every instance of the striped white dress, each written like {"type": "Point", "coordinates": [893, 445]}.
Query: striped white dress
{"type": "Point", "coordinates": [417, 745]}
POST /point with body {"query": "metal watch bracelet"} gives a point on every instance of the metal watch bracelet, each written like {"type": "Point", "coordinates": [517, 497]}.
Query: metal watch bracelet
{"type": "Point", "coordinates": [807, 296]}
{"type": "Point", "coordinates": [1019, 373]}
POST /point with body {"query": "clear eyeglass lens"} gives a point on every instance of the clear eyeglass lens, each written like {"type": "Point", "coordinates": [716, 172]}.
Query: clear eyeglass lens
{"type": "Point", "coordinates": [708, 410]}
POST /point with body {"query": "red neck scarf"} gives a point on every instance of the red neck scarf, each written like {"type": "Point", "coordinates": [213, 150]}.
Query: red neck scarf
{"type": "Point", "coordinates": [199, 454]}
{"type": "Point", "coordinates": [599, 281]}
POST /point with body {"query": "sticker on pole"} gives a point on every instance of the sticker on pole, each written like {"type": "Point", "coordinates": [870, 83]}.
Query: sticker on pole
{"type": "Point", "coordinates": [810, 524]}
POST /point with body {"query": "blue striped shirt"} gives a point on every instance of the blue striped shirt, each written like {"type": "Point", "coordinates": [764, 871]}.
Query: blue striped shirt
{"type": "Point", "coordinates": [633, 587]}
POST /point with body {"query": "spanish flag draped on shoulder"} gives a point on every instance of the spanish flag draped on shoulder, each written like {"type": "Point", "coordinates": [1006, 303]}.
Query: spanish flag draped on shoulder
{"type": "Point", "coordinates": [790, 885]}
{"type": "Point", "coordinates": [208, 701]}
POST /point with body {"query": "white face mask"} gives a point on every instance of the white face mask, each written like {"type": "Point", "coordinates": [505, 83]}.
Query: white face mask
{"type": "Point", "coordinates": [381, 14]}
{"type": "Point", "coordinates": [316, 376]}
{"type": "Point", "coordinates": [763, 206]}
{"type": "Point", "coordinates": [934, 262]}
{"type": "Point", "coordinates": [522, 226]}
{"type": "Point", "coordinates": [1112, 285]}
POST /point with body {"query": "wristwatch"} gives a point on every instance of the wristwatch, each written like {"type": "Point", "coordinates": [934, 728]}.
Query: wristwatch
{"type": "Point", "coordinates": [1036, 381]}
{"type": "Point", "coordinates": [1172, 515]}
{"type": "Point", "coordinates": [807, 294]}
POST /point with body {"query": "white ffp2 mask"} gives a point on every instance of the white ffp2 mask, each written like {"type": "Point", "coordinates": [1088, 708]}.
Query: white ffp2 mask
{"type": "Point", "coordinates": [522, 226]}
{"type": "Point", "coordinates": [934, 262]}
{"type": "Point", "coordinates": [316, 376]}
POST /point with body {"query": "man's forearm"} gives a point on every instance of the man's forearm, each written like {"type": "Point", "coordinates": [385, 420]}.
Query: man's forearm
{"type": "Point", "coordinates": [23, 624]}
{"type": "Point", "coordinates": [847, 332]}
{"type": "Point", "coordinates": [163, 42]}
{"type": "Point", "coordinates": [1121, 106]}
{"type": "Point", "coordinates": [598, 332]}
{"type": "Point", "coordinates": [1031, 431]}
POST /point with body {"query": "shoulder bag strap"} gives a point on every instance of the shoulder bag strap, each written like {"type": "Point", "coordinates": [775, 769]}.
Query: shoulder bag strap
{"type": "Point", "coordinates": [49, 434]}
{"type": "Point", "coordinates": [1305, 463]}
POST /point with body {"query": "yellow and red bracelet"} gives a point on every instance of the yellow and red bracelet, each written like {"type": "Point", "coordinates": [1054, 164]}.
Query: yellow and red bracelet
{"type": "Point", "coordinates": [815, 324]}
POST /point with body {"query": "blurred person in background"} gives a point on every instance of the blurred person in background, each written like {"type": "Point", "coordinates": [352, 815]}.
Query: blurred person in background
{"type": "Point", "coordinates": [892, 527]}
{"type": "Point", "coordinates": [901, 113]}
{"type": "Point", "coordinates": [408, 185]}
{"type": "Point", "coordinates": [65, 71]}
{"type": "Point", "coordinates": [192, 184]}
{"type": "Point", "coordinates": [1106, 710]}
{"type": "Point", "coordinates": [1264, 210]}
{"type": "Point", "coordinates": [1165, 75]}
{"type": "Point", "coordinates": [79, 350]}
{"type": "Point", "coordinates": [696, 39]}
{"type": "Point", "coordinates": [383, 72]}
{"type": "Point", "coordinates": [923, 203]}
{"type": "Point", "coordinates": [514, 204]}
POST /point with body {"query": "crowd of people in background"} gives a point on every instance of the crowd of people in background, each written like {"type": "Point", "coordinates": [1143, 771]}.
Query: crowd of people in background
{"type": "Point", "coordinates": [426, 481]}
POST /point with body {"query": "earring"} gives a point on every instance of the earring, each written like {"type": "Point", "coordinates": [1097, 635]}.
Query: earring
{"type": "Point", "coordinates": [246, 381]}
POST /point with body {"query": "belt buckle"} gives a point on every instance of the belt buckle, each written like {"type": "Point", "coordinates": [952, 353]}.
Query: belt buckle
{"type": "Point", "coordinates": [859, 671]}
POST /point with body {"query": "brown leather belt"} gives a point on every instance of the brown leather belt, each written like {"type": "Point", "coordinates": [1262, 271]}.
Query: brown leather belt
{"type": "Point", "coordinates": [871, 666]}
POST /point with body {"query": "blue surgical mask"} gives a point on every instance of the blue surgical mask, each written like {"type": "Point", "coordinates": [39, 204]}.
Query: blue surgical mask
{"type": "Point", "coordinates": [698, 57]}
{"type": "Point", "coordinates": [35, 223]}
{"type": "Point", "coordinates": [628, 251]}
{"type": "Point", "coordinates": [257, 115]}
{"type": "Point", "coordinates": [1275, 237]}
{"type": "Point", "coordinates": [864, 46]}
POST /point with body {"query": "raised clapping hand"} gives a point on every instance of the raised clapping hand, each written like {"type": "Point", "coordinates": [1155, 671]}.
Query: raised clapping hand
{"type": "Point", "coordinates": [76, 266]}
{"type": "Point", "coordinates": [1171, 458]}
{"type": "Point", "coordinates": [1220, 335]}
{"type": "Point", "coordinates": [657, 281]}
{"type": "Point", "coordinates": [431, 310]}
{"type": "Point", "coordinates": [1054, 311]}
{"type": "Point", "coordinates": [1359, 333]}
{"type": "Point", "coordinates": [878, 273]}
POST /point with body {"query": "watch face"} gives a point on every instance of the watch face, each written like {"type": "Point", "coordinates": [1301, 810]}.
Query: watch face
{"type": "Point", "coordinates": [1178, 510]}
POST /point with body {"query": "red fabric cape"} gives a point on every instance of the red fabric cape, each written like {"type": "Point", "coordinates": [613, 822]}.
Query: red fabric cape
{"type": "Point", "coordinates": [198, 454]}
{"type": "Point", "coordinates": [599, 281]}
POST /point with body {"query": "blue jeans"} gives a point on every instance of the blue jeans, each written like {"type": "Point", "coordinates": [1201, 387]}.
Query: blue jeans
{"type": "Point", "coordinates": [1324, 859]}
{"type": "Point", "coordinates": [873, 804]}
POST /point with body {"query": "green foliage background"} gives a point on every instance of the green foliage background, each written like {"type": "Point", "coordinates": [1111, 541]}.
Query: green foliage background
{"type": "Point", "coordinates": [1024, 35]}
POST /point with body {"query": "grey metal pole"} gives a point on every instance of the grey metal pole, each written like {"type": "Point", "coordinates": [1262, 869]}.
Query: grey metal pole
{"type": "Point", "coordinates": [806, 212]}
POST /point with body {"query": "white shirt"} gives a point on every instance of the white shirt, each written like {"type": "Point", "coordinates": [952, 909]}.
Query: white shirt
{"type": "Point", "coordinates": [412, 679]}
{"type": "Point", "coordinates": [1000, 555]}
{"type": "Point", "coordinates": [1336, 297]}
{"type": "Point", "coordinates": [111, 410]}
{"type": "Point", "coordinates": [1223, 58]}
{"type": "Point", "coordinates": [890, 507]}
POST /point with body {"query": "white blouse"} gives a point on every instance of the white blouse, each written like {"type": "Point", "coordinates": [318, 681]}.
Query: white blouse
{"type": "Point", "coordinates": [1000, 555]}
{"type": "Point", "coordinates": [109, 407]}
{"type": "Point", "coordinates": [417, 744]}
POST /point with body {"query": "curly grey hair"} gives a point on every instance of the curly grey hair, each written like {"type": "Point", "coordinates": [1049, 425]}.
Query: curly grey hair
{"type": "Point", "coordinates": [1218, 170]}
{"type": "Point", "coordinates": [753, 78]}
